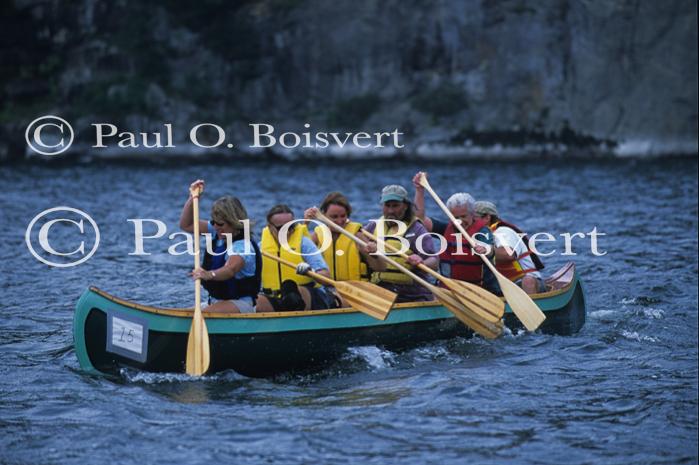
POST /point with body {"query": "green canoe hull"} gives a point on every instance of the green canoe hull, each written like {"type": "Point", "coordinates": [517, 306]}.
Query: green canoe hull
{"type": "Point", "coordinates": [111, 333]}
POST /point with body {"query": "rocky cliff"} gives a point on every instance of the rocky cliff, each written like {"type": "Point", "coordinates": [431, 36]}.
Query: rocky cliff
{"type": "Point", "coordinates": [616, 75]}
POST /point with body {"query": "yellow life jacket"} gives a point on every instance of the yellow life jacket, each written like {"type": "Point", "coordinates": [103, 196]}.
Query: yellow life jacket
{"type": "Point", "coordinates": [274, 273]}
{"type": "Point", "coordinates": [346, 265]}
{"type": "Point", "coordinates": [392, 274]}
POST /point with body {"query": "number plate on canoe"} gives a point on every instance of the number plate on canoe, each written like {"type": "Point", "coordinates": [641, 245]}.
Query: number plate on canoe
{"type": "Point", "coordinates": [127, 336]}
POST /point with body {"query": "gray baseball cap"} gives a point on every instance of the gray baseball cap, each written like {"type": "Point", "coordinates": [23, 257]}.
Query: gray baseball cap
{"type": "Point", "coordinates": [483, 207]}
{"type": "Point", "coordinates": [394, 192]}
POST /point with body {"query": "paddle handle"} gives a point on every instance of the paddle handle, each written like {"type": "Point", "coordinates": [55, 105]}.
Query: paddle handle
{"type": "Point", "coordinates": [318, 277]}
{"type": "Point", "coordinates": [446, 297]}
{"type": "Point", "coordinates": [521, 304]}
{"type": "Point", "coordinates": [197, 252]}
{"type": "Point", "coordinates": [197, 358]}
{"type": "Point", "coordinates": [457, 223]}
{"type": "Point", "coordinates": [341, 230]}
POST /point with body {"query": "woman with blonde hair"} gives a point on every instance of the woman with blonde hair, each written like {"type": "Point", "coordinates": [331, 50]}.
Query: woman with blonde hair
{"type": "Point", "coordinates": [232, 264]}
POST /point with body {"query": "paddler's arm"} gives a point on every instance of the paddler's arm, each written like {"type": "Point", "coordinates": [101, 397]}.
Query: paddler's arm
{"type": "Point", "coordinates": [233, 265]}
{"type": "Point", "coordinates": [310, 214]}
{"type": "Point", "coordinates": [312, 256]}
{"type": "Point", "coordinates": [502, 255]}
{"type": "Point", "coordinates": [373, 262]}
{"type": "Point", "coordinates": [431, 262]}
{"type": "Point", "coordinates": [427, 252]}
{"type": "Point", "coordinates": [419, 201]}
{"type": "Point", "coordinates": [187, 215]}
{"type": "Point", "coordinates": [485, 243]}
{"type": "Point", "coordinates": [504, 245]}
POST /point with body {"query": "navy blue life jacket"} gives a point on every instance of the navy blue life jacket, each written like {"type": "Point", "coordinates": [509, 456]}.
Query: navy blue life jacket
{"type": "Point", "coordinates": [233, 288]}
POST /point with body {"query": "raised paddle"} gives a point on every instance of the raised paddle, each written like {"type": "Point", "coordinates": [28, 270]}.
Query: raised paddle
{"type": "Point", "coordinates": [521, 304]}
{"type": "Point", "coordinates": [474, 321]}
{"type": "Point", "coordinates": [363, 296]}
{"type": "Point", "coordinates": [479, 300]}
{"type": "Point", "coordinates": [198, 357]}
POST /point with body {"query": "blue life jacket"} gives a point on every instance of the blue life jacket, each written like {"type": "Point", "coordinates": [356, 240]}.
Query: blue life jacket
{"type": "Point", "coordinates": [233, 288]}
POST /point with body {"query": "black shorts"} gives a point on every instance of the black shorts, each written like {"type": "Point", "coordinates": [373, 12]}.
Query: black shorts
{"type": "Point", "coordinates": [322, 298]}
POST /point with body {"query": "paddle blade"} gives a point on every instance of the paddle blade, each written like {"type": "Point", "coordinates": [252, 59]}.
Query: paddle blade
{"type": "Point", "coordinates": [198, 357]}
{"type": "Point", "coordinates": [479, 300]}
{"type": "Point", "coordinates": [521, 304]}
{"type": "Point", "coordinates": [366, 297]}
{"type": "Point", "coordinates": [479, 325]}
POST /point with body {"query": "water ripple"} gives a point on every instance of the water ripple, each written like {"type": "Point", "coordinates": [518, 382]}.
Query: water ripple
{"type": "Point", "coordinates": [621, 391]}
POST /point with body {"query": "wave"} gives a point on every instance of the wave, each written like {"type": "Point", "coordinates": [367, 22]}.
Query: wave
{"type": "Point", "coordinates": [635, 336]}
{"type": "Point", "coordinates": [374, 357]}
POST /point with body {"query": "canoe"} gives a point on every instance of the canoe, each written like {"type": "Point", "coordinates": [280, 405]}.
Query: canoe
{"type": "Point", "coordinates": [112, 333]}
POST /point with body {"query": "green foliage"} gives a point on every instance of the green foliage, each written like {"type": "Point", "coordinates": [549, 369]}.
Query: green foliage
{"type": "Point", "coordinates": [230, 33]}
{"type": "Point", "coordinates": [522, 137]}
{"type": "Point", "coordinates": [113, 97]}
{"type": "Point", "coordinates": [352, 112]}
{"type": "Point", "coordinates": [444, 100]}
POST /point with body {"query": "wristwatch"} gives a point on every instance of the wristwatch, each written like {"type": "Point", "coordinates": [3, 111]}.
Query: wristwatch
{"type": "Point", "coordinates": [213, 275]}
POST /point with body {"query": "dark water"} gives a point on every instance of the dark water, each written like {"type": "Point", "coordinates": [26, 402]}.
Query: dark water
{"type": "Point", "coordinates": [622, 391]}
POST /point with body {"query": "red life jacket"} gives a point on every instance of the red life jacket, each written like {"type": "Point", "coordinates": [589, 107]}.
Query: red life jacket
{"type": "Point", "coordinates": [466, 265]}
{"type": "Point", "coordinates": [514, 270]}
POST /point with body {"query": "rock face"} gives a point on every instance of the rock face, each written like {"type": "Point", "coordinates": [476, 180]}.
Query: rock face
{"type": "Point", "coordinates": [621, 73]}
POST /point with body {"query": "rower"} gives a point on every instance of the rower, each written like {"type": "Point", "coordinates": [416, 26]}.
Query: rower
{"type": "Point", "coordinates": [231, 267]}
{"type": "Point", "coordinates": [399, 222]}
{"type": "Point", "coordinates": [459, 260]}
{"type": "Point", "coordinates": [513, 256]}
{"type": "Point", "coordinates": [282, 288]}
{"type": "Point", "coordinates": [344, 261]}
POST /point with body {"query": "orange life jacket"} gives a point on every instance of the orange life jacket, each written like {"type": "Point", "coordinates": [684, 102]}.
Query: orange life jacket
{"type": "Point", "coordinates": [515, 269]}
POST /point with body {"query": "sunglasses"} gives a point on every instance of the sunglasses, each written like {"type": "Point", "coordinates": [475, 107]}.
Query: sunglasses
{"type": "Point", "coordinates": [291, 227]}
{"type": "Point", "coordinates": [219, 224]}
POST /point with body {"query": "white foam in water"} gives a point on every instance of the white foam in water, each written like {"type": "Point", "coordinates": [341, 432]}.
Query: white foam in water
{"type": "Point", "coordinates": [602, 314]}
{"type": "Point", "coordinates": [654, 313]}
{"type": "Point", "coordinates": [634, 336]}
{"type": "Point", "coordinates": [159, 378]}
{"type": "Point", "coordinates": [432, 353]}
{"type": "Point", "coordinates": [650, 312]}
{"type": "Point", "coordinates": [373, 356]}
{"type": "Point", "coordinates": [507, 332]}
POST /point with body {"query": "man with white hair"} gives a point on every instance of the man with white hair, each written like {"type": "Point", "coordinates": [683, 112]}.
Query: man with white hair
{"type": "Point", "coordinates": [459, 260]}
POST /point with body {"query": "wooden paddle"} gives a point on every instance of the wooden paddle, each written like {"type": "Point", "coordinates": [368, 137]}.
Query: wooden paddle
{"type": "Point", "coordinates": [198, 357]}
{"type": "Point", "coordinates": [521, 304]}
{"type": "Point", "coordinates": [363, 296]}
{"type": "Point", "coordinates": [474, 321]}
{"type": "Point", "coordinates": [480, 301]}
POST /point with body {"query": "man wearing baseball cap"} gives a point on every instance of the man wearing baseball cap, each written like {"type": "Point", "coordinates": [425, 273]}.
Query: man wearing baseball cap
{"type": "Point", "coordinates": [399, 221]}
{"type": "Point", "coordinates": [513, 257]}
